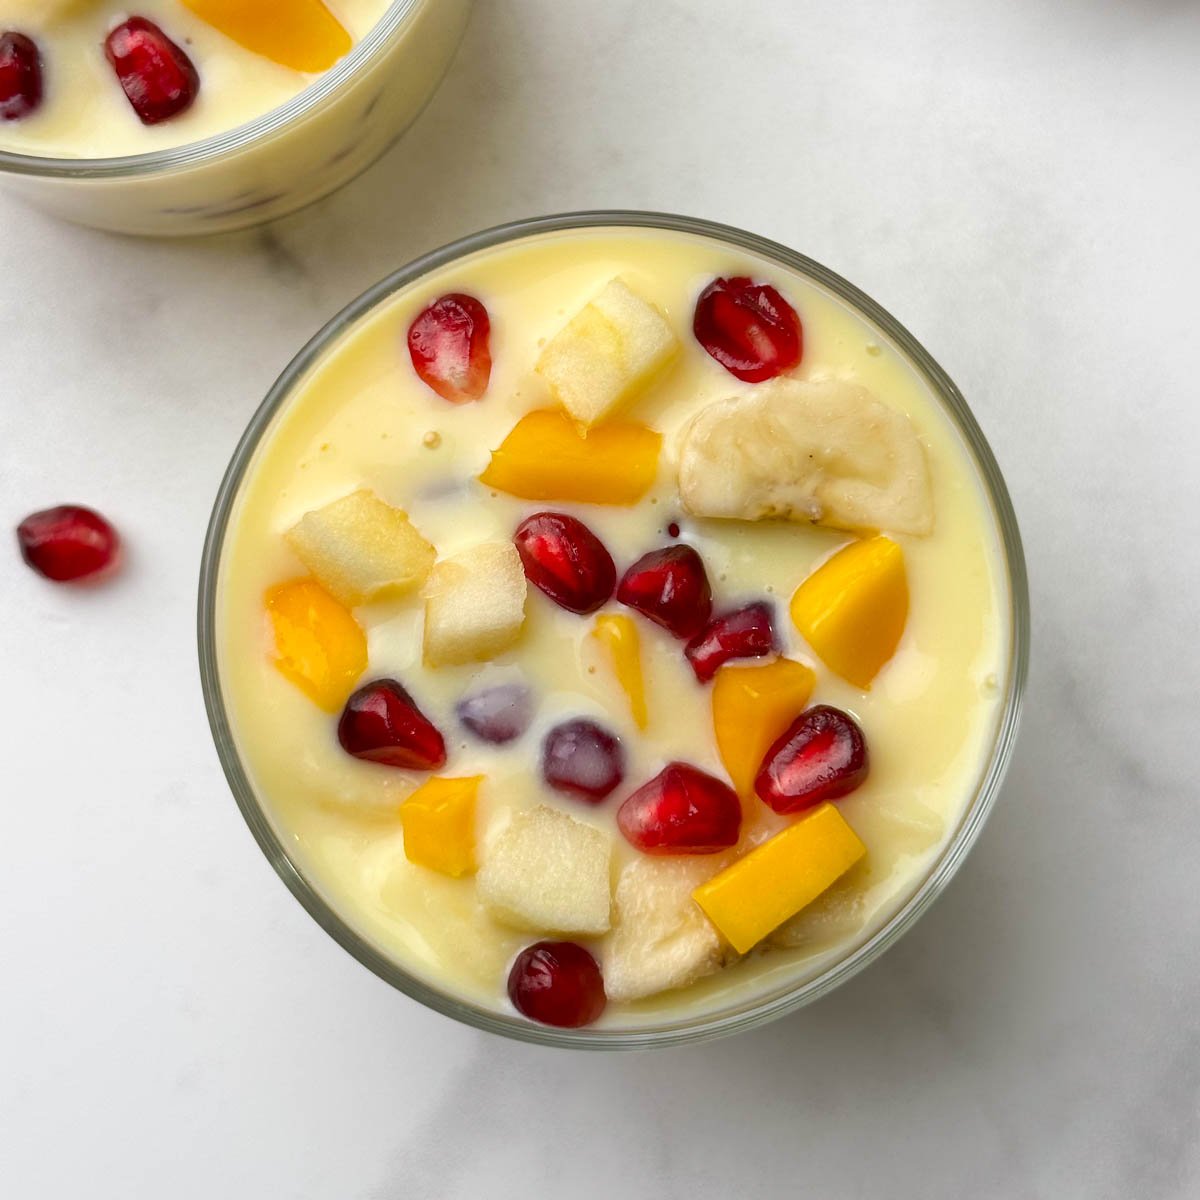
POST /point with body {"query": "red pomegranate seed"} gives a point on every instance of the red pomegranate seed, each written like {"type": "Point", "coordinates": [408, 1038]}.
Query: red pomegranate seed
{"type": "Point", "coordinates": [582, 760]}
{"type": "Point", "coordinates": [823, 755]}
{"type": "Point", "coordinates": [749, 328]}
{"type": "Point", "coordinates": [681, 811]}
{"type": "Point", "coordinates": [449, 343]}
{"type": "Point", "coordinates": [747, 633]}
{"type": "Point", "coordinates": [557, 983]}
{"type": "Point", "coordinates": [68, 543]}
{"type": "Point", "coordinates": [673, 529]}
{"type": "Point", "coordinates": [20, 76]}
{"type": "Point", "coordinates": [669, 586]}
{"type": "Point", "coordinates": [382, 724]}
{"type": "Point", "coordinates": [159, 79]}
{"type": "Point", "coordinates": [498, 714]}
{"type": "Point", "coordinates": [566, 560]}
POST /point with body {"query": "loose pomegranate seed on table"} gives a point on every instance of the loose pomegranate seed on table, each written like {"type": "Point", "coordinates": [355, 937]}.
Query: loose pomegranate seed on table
{"type": "Point", "coordinates": [682, 810]}
{"type": "Point", "coordinates": [583, 760]}
{"type": "Point", "coordinates": [557, 983]}
{"type": "Point", "coordinates": [746, 633]}
{"type": "Point", "coordinates": [159, 79]}
{"type": "Point", "coordinates": [671, 588]}
{"type": "Point", "coordinates": [749, 328]}
{"type": "Point", "coordinates": [565, 559]}
{"type": "Point", "coordinates": [821, 756]}
{"type": "Point", "coordinates": [449, 343]}
{"type": "Point", "coordinates": [497, 714]}
{"type": "Point", "coordinates": [68, 543]}
{"type": "Point", "coordinates": [20, 76]}
{"type": "Point", "coordinates": [382, 723]}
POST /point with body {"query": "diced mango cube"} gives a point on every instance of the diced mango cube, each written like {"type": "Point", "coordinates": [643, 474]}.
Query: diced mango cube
{"type": "Point", "coordinates": [610, 350]}
{"type": "Point", "coordinates": [619, 636]}
{"type": "Point", "coordinates": [319, 645]}
{"type": "Point", "coordinates": [852, 610]}
{"type": "Point", "coordinates": [301, 34]}
{"type": "Point", "coordinates": [439, 825]}
{"type": "Point", "coordinates": [358, 547]}
{"type": "Point", "coordinates": [474, 604]}
{"type": "Point", "coordinates": [777, 879]}
{"type": "Point", "coordinates": [550, 873]}
{"type": "Point", "coordinates": [545, 457]}
{"type": "Point", "coordinates": [752, 706]}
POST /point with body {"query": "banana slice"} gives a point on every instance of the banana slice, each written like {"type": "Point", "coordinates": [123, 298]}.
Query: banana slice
{"type": "Point", "coordinates": [822, 451]}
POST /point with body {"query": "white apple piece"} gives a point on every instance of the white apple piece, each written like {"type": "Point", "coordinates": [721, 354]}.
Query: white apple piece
{"type": "Point", "coordinates": [825, 451]}
{"type": "Point", "coordinates": [359, 548]}
{"type": "Point", "coordinates": [474, 604]}
{"type": "Point", "coordinates": [610, 350]}
{"type": "Point", "coordinates": [549, 873]}
{"type": "Point", "coordinates": [661, 939]}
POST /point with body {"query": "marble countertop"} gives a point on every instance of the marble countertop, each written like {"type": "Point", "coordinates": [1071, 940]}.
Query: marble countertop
{"type": "Point", "coordinates": [1018, 183]}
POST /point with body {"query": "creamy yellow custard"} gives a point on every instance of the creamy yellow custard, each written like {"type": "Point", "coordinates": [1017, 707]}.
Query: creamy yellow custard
{"type": "Point", "coordinates": [85, 114]}
{"type": "Point", "coordinates": [362, 419]}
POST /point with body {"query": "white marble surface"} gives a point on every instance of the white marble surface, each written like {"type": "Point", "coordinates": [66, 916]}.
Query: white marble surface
{"type": "Point", "coordinates": [1018, 182]}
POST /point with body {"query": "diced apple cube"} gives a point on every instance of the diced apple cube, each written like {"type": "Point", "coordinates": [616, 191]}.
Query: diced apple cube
{"type": "Point", "coordinates": [548, 873]}
{"type": "Point", "coordinates": [611, 349]}
{"type": "Point", "coordinates": [474, 604]}
{"type": "Point", "coordinates": [359, 547]}
{"type": "Point", "coordinates": [661, 939]}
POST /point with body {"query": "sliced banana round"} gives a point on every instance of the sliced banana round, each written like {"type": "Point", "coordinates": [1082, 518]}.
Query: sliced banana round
{"type": "Point", "coordinates": [824, 451]}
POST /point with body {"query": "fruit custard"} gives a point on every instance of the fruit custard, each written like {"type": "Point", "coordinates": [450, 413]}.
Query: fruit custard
{"type": "Point", "coordinates": [85, 79]}
{"type": "Point", "coordinates": [613, 626]}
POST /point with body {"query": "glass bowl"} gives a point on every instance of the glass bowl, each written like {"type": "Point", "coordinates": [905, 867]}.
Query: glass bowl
{"type": "Point", "coordinates": [738, 1016]}
{"type": "Point", "coordinates": [288, 157]}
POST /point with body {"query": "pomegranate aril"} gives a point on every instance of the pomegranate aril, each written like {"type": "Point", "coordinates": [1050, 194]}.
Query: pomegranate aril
{"type": "Point", "coordinates": [158, 78]}
{"type": "Point", "coordinates": [671, 588]}
{"type": "Point", "coordinates": [557, 983]}
{"type": "Point", "coordinates": [583, 760]}
{"type": "Point", "coordinates": [449, 343]}
{"type": "Point", "coordinates": [565, 559]}
{"type": "Point", "coordinates": [682, 810]}
{"type": "Point", "coordinates": [821, 756]}
{"type": "Point", "coordinates": [68, 543]}
{"type": "Point", "coordinates": [746, 633]}
{"type": "Point", "coordinates": [749, 328]}
{"type": "Point", "coordinates": [20, 76]}
{"type": "Point", "coordinates": [498, 714]}
{"type": "Point", "coordinates": [382, 723]}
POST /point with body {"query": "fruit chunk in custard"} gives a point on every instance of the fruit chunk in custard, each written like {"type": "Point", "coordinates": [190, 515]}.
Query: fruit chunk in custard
{"type": "Point", "coordinates": [301, 34]}
{"type": "Point", "coordinates": [611, 349]}
{"type": "Point", "coordinates": [777, 879]}
{"type": "Point", "coordinates": [824, 451]}
{"type": "Point", "coordinates": [549, 873]}
{"type": "Point", "coordinates": [545, 457]}
{"type": "Point", "coordinates": [474, 604]}
{"type": "Point", "coordinates": [439, 825]}
{"type": "Point", "coordinates": [360, 548]}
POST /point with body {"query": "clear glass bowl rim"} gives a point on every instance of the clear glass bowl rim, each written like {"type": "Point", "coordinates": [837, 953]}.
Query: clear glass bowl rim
{"type": "Point", "coordinates": [688, 1030]}
{"type": "Point", "coordinates": [194, 154]}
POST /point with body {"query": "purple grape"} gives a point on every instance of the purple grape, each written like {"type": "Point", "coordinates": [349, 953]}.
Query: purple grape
{"type": "Point", "coordinates": [497, 714]}
{"type": "Point", "coordinates": [583, 760]}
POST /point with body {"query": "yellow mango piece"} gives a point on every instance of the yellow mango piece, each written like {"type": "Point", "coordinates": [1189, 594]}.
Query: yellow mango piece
{"type": "Point", "coordinates": [752, 707]}
{"type": "Point", "coordinates": [619, 637]}
{"type": "Point", "coordinates": [776, 880]}
{"type": "Point", "coordinates": [319, 645]}
{"type": "Point", "coordinates": [301, 34]}
{"type": "Point", "coordinates": [852, 610]}
{"type": "Point", "coordinates": [439, 825]}
{"type": "Point", "coordinates": [545, 457]}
